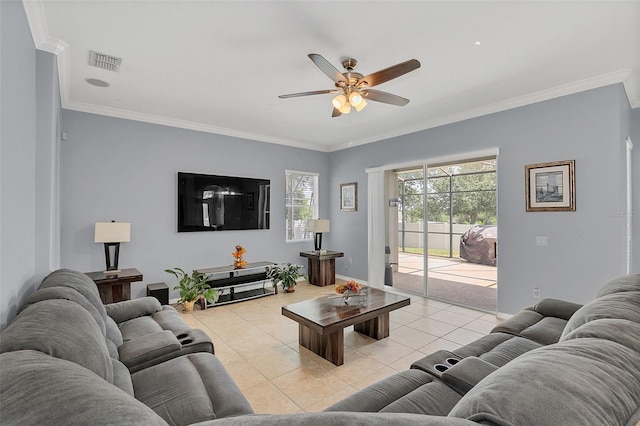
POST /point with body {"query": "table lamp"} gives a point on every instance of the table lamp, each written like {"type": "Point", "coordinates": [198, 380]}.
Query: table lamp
{"type": "Point", "coordinates": [112, 234]}
{"type": "Point", "coordinates": [318, 226]}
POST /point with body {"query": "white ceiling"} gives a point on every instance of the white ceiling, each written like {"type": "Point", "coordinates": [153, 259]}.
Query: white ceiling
{"type": "Point", "coordinates": [219, 66]}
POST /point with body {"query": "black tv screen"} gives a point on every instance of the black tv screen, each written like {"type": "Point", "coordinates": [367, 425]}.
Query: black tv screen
{"type": "Point", "coordinates": [222, 203]}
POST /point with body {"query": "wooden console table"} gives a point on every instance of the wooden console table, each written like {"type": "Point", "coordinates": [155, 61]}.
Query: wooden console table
{"type": "Point", "coordinates": [115, 287]}
{"type": "Point", "coordinates": [322, 266]}
{"type": "Point", "coordinates": [227, 280]}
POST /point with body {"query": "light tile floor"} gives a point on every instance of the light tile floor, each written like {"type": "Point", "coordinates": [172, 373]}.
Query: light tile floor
{"type": "Point", "coordinates": [259, 348]}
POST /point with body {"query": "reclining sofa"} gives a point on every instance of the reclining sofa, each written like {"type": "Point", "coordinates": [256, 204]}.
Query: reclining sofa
{"type": "Point", "coordinates": [557, 363]}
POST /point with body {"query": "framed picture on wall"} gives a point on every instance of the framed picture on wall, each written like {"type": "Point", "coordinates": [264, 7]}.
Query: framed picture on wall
{"type": "Point", "coordinates": [349, 197]}
{"type": "Point", "coordinates": [551, 187]}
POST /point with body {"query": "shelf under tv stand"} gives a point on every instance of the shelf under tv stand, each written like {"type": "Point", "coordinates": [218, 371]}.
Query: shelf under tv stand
{"type": "Point", "coordinates": [232, 284]}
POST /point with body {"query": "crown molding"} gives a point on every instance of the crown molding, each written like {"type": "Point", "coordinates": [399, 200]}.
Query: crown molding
{"type": "Point", "coordinates": [185, 124]}
{"type": "Point", "coordinates": [632, 88]}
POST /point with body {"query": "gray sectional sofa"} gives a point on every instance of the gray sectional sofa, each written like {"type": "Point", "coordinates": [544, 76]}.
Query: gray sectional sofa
{"type": "Point", "coordinates": [68, 359]}
{"type": "Point", "coordinates": [557, 363]}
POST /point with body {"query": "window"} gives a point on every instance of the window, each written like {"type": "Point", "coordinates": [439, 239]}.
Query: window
{"type": "Point", "coordinates": [301, 204]}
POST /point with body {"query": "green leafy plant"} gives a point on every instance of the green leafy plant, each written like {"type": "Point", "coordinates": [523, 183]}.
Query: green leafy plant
{"type": "Point", "coordinates": [285, 274]}
{"type": "Point", "coordinates": [193, 286]}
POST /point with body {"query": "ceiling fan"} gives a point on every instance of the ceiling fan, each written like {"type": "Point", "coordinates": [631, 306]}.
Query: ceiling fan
{"type": "Point", "coordinates": [353, 88]}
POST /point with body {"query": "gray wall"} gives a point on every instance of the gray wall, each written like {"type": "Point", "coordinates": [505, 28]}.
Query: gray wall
{"type": "Point", "coordinates": [28, 242]}
{"type": "Point", "coordinates": [114, 169]}
{"type": "Point", "coordinates": [585, 247]}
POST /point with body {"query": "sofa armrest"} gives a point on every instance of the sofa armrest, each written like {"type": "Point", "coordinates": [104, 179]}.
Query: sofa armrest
{"type": "Point", "coordinates": [148, 347]}
{"type": "Point", "coordinates": [130, 309]}
{"type": "Point", "coordinates": [467, 373]}
{"type": "Point", "coordinates": [549, 307]}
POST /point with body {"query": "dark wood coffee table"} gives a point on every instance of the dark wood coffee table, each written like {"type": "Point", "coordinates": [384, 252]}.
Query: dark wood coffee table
{"type": "Point", "coordinates": [321, 321]}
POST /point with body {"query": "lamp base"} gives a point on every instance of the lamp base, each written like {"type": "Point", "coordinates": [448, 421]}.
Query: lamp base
{"type": "Point", "coordinates": [112, 271]}
{"type": "Point", "coordinates": [318, 241]}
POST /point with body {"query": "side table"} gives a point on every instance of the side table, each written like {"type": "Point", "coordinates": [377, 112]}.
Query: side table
{"type": "Point", "coordinates": [116, 287]}
{"type": "Point", "coordinates": [322, 266]}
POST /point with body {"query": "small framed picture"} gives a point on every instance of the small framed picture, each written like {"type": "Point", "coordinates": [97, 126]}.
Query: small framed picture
{"type": "Point", "coordinates": [551, 187]}
{"type": "Point", "coordinates": [349, 197]}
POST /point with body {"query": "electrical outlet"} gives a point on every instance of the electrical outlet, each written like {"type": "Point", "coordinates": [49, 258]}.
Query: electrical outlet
{"type": "Point", "coordinates": [350, 261]}
{"type": "Point", "coordinates": [542, 241]}
{"type": "Point", "coordinates": [536, 292]}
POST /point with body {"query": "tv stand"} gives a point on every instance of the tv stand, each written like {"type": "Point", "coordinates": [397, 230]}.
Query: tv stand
{"type": "Point", "coordinates": [233, 284]}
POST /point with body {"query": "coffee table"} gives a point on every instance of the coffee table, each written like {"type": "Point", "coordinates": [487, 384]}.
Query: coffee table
{"type": "Point", "coordinates": [321, 321]}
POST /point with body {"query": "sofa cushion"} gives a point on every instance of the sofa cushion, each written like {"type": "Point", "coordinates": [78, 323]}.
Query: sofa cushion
{"type": "Point", "coordinates": [621, 284]}
{"type": "Point", "coordinates": [585, 381]}
{"type": "Point", "coordinates": [495, 348]}
{"type": "Point", "coordinates": [434, 398]}
{"type": "Point", "coordinates": [79, 282]}
{"type": "Point", "coordinates": [68, 294]}
{"type": "Point", "coordinates": [411, 391]}
{"type": "Point", "coordinates": [617, 330]}
{"type": "Point", "coordinates": [622, 305]}
{"type": "Point", "coordinates": [189, 389]}
{"type": "Point", "coordinates": [542, 323]}
{"type": "Point", "coordinates": [165, 319]}
{"type": "Point", "coordinates": [148, 347]}
{"type": "Point", "coordinates": [38, 389]}
{"type": "Point", "coordinates": [62, 329]}
{"type": "Point", "coordinates": [546, 331]}
{"type": "Point", "coordinates": [138, 327]}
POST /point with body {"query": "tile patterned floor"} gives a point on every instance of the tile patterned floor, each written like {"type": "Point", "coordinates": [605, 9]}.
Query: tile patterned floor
{"type": "Point", "coordinates": [259, 348]}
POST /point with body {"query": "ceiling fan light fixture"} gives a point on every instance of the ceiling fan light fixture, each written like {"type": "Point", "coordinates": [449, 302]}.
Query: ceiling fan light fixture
{"type": "Point", "coordinates": [339, 101]}
{"type": "Point", "coordinates": [360, 106]}
{"type": "Point", "coordinates": [345, 109]}
{"type": "Point", "coordinates": [355, 99]}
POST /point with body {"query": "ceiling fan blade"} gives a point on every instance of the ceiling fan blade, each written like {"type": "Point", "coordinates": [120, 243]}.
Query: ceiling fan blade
{"type": "Point", "coordinates": [326, 67]}
{"type": "Point", "coordinates": [336, 113]}
{"type": "Point", "coordinates": [384, 97]}
{"type": "Point", "coordinates": [314, 92]}
{"type": "Point", "coordinates": [387, 74]}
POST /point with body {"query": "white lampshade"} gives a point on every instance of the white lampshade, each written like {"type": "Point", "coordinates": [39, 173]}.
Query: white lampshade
{"type": "Point", "coordinates": [339, 101]}
{"type": "Point", "coordinates": [318, 225]}
{"type": "Point", "coordinates": [355, 99]}
{"type": "Point", "coordinates": [345, 109]}
{"type": "Point", "coordinates": [360, 106]}
{"type": "Point", "coordinates": [112, 232]}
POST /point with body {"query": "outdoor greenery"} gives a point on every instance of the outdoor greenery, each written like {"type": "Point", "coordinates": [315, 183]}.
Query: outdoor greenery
{"type": "Point", "coordinates": [468, 190]}
{"type": "Point", "coordinates": [299, 208]}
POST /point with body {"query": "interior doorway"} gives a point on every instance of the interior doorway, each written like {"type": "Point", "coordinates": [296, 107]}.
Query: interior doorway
{"type": "Point", "coordinates": [450, 256]}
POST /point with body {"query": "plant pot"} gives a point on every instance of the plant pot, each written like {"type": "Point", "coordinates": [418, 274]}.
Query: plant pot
{"type": "Point", "coordinates": [289, 290]}
{"type": "Point", "coordinates": [188, 306]}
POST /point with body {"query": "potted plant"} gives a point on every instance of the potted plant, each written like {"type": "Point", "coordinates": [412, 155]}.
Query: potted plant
{"type": "Point", "coordinates": [286, 274]}
{"type": "Point", "coordinates": [193, 287]}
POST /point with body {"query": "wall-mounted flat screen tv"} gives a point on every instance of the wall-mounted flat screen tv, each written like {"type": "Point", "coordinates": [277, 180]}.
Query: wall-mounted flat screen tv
{"type": "Point", "coordinates": [222, 203]}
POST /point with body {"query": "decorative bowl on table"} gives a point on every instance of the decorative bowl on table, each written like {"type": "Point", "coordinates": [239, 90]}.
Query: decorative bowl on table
{"type": "Point", "coordinates": [347, 290]}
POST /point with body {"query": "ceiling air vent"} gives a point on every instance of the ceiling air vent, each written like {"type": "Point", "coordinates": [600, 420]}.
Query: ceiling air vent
{"type": "Point", "coordinates": [103, 61]}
